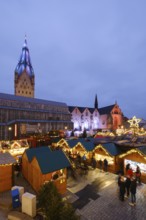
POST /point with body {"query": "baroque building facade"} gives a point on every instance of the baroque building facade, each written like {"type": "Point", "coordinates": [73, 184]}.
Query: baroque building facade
{"type": "Point", "coordinates": [21, 113]}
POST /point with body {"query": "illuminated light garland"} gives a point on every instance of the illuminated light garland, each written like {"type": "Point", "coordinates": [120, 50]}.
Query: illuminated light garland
{"type": "Point", "coordinates": [130, 152]}
{"type": "Point", "coordinates": [134, 128]}
{"type": "Point", "coordinates": [104, 134]}
{"type": "Point", "coordinates": [79, 144]}
{"type": "Point", "coordinates": [100, 146]}
{"type": "Point", "coordinates": [4, 165]}
{"type": "Point", "coordinates": [134, 122]}
{"type": "Point", "coordinates": [60, 141]}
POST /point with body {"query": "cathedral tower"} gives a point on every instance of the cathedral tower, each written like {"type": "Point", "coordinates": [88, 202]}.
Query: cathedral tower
{"type": "Point", "coordinates": [24, 74]}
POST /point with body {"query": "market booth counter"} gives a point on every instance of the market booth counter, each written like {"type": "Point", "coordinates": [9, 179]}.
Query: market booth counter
{"type": "Point", "coordinates": [136, 157]}
{"type": "Point", "coordinates": [110, 152]}
{"type": "Point", "coordinates": [6, 171]}
{"type": "Point", "coordinates": [40, 165]}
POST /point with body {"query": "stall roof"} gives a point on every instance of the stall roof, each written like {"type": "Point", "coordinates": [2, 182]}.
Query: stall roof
{"type": "Point", "coordinates": [6, 158]}
{"type": "Point", "coordinates": [56, 139]}
{"type": "Point", "coordinates": [48, 160]}
{"type": "Point", "coordinates": [112, 149]}
{"type": "Point", "coordinates": [142, 149]}
{"type": "Point", "coordinates": [88, 143]}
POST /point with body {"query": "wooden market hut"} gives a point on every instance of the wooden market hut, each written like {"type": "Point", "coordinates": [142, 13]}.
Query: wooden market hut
{"type": "Point", "coordinates": [60, 144]}
{"type": "Point", "coordinates": [111, 152]}
{"type": "Point", "coordinates": [136, 156]}
{"type": "Point", "coordinates": [80, 146]}
{"type": "Point", "coordinates": [40, 165]}
{"type": "Point", "coordinates": [6, 171]}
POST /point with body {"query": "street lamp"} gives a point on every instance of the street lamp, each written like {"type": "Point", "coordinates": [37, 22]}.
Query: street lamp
{"type": "Point", "coordinates": [9, 129]}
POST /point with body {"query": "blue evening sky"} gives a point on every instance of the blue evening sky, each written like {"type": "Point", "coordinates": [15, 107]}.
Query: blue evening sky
{"type": "Point", "coordinates": [78, 48]}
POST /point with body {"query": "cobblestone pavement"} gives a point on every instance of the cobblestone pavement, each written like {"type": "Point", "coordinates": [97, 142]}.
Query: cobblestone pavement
{"type": "Point", "coordinates": [107, 205]}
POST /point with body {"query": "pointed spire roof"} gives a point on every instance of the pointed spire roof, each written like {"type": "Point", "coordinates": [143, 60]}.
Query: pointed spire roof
{"type": "Point", "coordinates": [96, 102]}
{"type": "Point", "coordinates": [24, 62]}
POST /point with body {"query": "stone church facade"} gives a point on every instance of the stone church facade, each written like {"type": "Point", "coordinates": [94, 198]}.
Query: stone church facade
{"type": "Point", "coordinates": [109, 117]}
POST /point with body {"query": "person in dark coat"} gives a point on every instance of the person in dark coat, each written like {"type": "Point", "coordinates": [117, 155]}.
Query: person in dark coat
{"type": "Point", "coordinates": [127, 185]}
{"type": "Point", "coordinates": [93, 162]}
{"type": "Point", "coordinates": [138, 175]}
{"type": "Point", "coordinates": [133, 191]}
{"type": "Point", "coordinates": [122, 188]}
{"type": "Point", "coordinates": [100, 164]}
{"type": "Point", "coordinates": [127, 167]}
{"type": "Point", "coordinates": [105, 162]}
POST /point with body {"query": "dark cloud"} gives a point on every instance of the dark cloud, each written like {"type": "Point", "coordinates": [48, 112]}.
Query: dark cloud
{"type": "Point", "coordinates": [78, 49]}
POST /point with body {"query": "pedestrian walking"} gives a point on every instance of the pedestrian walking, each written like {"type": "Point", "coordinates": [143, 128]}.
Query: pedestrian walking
{"type": "Point", "coordinates": [93, 162]}
{"type": "Point", "coordinates": [100, 164]}
{"type": "Point", "coordinates": [118, 182]}
{"type": "Point", "coordinates": [127, 185]}
{"type": "Point", "coordinates": [122, 188]}
{"type": "Point", "coordinates": [133, 191]}
{"type": "Point", "coordinates": [138, 175]}
{"type": "Point", "coordinates": [105, 162]}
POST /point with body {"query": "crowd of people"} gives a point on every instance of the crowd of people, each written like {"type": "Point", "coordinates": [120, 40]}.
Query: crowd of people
{"type": "Point", "coordinates": [128, 185]}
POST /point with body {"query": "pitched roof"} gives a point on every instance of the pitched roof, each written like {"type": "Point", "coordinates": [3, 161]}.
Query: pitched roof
{"type": "Point", "coordinates": [102, 111]}
{"type": "Point", "coordinates": [88, 143]}
{"type": "Point", "coordinates": [31, 100]}
{"type": "Point", "coordinates": [49, 161]}
{"type": "Point", "coordinates": [72, 142]}
{"type": "Point", "coordinates": [106, 110]}
{"type": "Point", "coordinates": [6, 158]}
{"type": "Point", "coordinates": [91, 110]}
{"type": "Point", "coordinates": [112, 149]}
{"type": "Point", "coordinates": [142, 149]}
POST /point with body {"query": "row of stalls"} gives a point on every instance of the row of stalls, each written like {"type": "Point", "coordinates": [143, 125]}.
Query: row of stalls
{"type": "Point", "coordinates": [118, 155]}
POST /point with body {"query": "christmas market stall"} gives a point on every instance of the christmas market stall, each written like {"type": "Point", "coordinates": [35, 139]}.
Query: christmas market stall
{"type": "Point", "coordinates": [58, 143]}
{"type": "Point", "coordinates": [16, 147]}
{"type": "Point", "coordinates": [110, 152]}
{"type": "Point", "coordinates": [6, 171]}
{"type": "Point", "coordinates": [136, 157]}
{"type": "Point", "coordinates": [81, 147]}
{"type": "Point", "coordinates": [40, 165]}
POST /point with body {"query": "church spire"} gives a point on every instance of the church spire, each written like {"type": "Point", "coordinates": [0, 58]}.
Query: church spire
{"type": "Point", "coordinates": [24, 62]}
{"type": "Point", "coordinates": [24, 74]}
{"type": "Point", "coordinates": [96, 102]}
